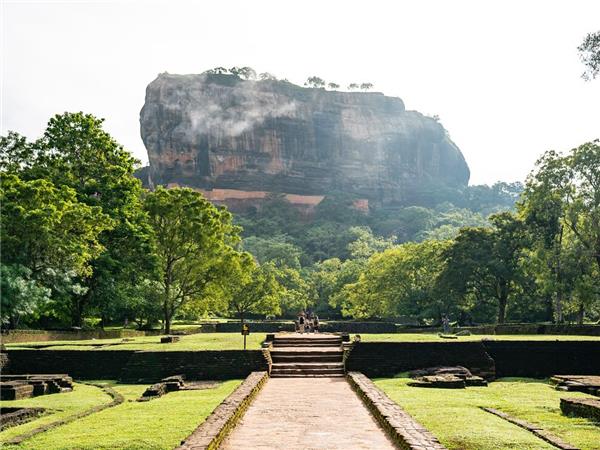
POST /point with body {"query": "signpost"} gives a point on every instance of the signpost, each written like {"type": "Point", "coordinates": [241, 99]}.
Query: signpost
{"type": "Point", "coordinates": [245, 332]}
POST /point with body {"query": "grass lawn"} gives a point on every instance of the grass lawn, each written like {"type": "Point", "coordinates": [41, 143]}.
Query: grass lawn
{"type": "Point", "coordinates": [200, 341]}
{"type": "Point", "coordinates": [59, 407]}
{"type": "Point", "coordinates": [234, 341]}
{"type": "Point", "coordinates": [158, 424]}
{"type": "Point", "coordinates": [455, 418]}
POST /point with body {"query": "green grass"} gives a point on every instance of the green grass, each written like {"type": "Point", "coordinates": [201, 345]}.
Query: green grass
{"type": "Point", "coordinates": [59, 406]}
{"type": "Point", "coordinates": [455, 418]}
{"type": "Point", "coordinates": [234, 341]}
{"type": "Point", "coordinates": [200, 341]}
{"type": "Point", "coordinates": [158, 424]}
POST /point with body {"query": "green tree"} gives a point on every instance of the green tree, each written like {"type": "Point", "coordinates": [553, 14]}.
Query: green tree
{"type": "Point", "coordinates": [46, 231]}
{"type": "Point", "coordinates": [194, 245]}
{"type": "Point", "coordinates": [398, 281]}
{"type": "Point", "coordinates": [589, 52]}
{"type": "Point", "coordinates": [315, 82]}
{"type": "Point", "coordinates": [366, 86]}
{"type": "Point", "coordinates": [75, 151]}
{"type": "Point", "coordinates": [333, 86]}
{"type": "Point", "coordinates": [21, 295]}
{"type": "Point", "coordinates": [275, 250]}
{"type": "Point", "coordinates": [254, 290]}
{"type": "Point", "coordinates": [484, 263]}
{"type": "Point", "coordinates": [561, 206]}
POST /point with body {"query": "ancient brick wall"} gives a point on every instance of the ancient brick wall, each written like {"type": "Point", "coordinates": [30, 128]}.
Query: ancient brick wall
{"type": "Point", "coordinates": [198, 365]}
{"type": "Point", "coordinates": [90, 364]}
{"type": "Point", "coordinates": [544, 358]}
{"type": "Point", "coordinates": [383, 359]}
{"type": "Point", "coordinates": [14, 336]}
{"type": "Point", "coordinates": [131, 365]}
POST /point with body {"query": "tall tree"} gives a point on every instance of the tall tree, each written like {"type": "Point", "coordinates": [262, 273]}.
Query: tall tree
{"type": "Point", "coordinates": [589, 52]}
{"type": "Point", "coordinates": [44, 230]}
{"type": "Point", "coordinates": [561, 205]}
{"type": "Point", "coordinates": [484, 262]}
{"type": "Point", "coordinates": [315, 82]}
{"type": "Point", "coordinates": [398, 281]}
{"type": "Point", "coordinates": [255, 289]}
{"type": "Point", "coordinates": [194, 245]}
{"type": "Point", "coordinates": [75, 151]}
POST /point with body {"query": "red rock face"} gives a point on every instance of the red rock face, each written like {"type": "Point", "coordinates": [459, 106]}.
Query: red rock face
{"type": "Point", "coordinates": [241, 139]}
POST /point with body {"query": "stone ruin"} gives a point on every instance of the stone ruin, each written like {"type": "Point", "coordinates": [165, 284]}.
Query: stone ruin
{"type": "Point", "coordinates": [589, 384]}
{"type": "Point", "coordinates": [171, 384]}
{"type": "Point", "coordinates": [16, 387]}
{"type": "Point", "coordinates": [10, 417]}
{"type": "Point", "coordinates": [456, 377]}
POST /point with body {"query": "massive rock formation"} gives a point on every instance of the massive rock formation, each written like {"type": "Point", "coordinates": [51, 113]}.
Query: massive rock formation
{"type": "Point", "coordinates": [236, 139]}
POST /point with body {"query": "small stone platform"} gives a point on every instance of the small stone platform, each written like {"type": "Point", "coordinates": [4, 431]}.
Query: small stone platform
{"type": "Point", "coordinates": [589, 384]}
{"type": "Point", "coordinates": [16, 387]}
{"type": "Point", "coordinates": [456, 377]}
{"type": "Point", "coordinates": [588, 408]}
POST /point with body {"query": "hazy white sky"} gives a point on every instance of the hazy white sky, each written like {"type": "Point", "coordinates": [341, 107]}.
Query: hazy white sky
{"type": "Point", "coordinates": [504, 76]}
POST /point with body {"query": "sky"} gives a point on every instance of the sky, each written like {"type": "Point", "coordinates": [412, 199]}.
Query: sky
{"type": "Point", "coordinates": [503, 76]}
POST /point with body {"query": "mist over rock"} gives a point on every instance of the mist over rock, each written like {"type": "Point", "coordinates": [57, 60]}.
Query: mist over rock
{"type": "Point", "coordinates": [241, 139]}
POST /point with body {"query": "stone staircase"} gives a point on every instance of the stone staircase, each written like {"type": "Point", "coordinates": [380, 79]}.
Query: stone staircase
{"type": "Point", "coordinates": [307, 355]}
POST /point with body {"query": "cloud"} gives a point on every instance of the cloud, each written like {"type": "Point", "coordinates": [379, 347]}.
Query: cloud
{"type": "Point", "coordinates": [212, 108]}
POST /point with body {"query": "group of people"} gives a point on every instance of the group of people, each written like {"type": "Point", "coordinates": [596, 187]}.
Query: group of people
{"type": "Point", "coordinates": [307, 322]}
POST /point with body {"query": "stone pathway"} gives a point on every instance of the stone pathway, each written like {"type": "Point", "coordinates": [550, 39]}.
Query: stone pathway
{"type": "Point", "coordinates": [307, 413]}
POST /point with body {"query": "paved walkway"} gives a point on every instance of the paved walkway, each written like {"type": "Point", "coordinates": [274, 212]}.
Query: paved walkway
{"type": "Point", "coordinates": [307, 413]}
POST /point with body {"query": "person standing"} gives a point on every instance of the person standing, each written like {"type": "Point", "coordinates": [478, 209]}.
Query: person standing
{"type": "Point", "coordinates": [446, 324]}
{"type": "Point", "coordinates": [301, 322]}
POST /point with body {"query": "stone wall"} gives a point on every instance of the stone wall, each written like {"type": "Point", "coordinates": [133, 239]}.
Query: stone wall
{"type": "Point", "coordinates": [195, 365]}
{"type": "Point", "coordinates": [384, 359]}
{"type": "Point", "coordinates": [81, 364]}
{"type": "Point", "coordinates": [544, 358]}
{"type": "Point", "coordinates": [14, 336]}
{"type": "Point", "coordinates": [533, 328]}
{"type": "Point", "coordinates": [374, 359]}
{"type": "Point", "coordinates": [510, 358]}
{"type": "Point", "coordinates": [130, 365]}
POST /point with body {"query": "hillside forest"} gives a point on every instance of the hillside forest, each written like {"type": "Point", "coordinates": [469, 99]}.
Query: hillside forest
{"type": "Point", "coordinates": [84, 245]}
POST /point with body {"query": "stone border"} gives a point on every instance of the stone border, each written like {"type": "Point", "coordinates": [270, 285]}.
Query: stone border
{"type": "Point", "coordinates": [19, 416]}
{"type": "Point", "coordinates": [117, 399]}
{"type": "Point", "coordinates": [405, 431]}
{"type": "Point", "coordinates": [535, 429]}
{"type": "Point", "coordinates": [213, 431]}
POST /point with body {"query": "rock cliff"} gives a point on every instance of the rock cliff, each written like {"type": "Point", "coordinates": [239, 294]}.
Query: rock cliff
{"type": "Point", "coordinates": [233, 138]}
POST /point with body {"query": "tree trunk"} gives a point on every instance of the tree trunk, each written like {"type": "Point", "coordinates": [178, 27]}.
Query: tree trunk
{"type": "Point", "coordinates": [502, 310]}
{"type": "Point", "coordinates": [558, 274]}
{"type": "Point", "coordinates": [549, 309]}
{"type": "Point", "coordinates": [167, 320]}
{"type": "Point", "coordinates": [559, 309]}
{"type": "Point", "coordinates": [77, 312]}
{"type": "Point", "coordinates": [502, 301]}
{"type": "Point", "coordinates": [580, 314]}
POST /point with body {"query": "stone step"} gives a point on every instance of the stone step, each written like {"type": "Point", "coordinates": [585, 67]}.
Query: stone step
{"type": "Point", "coordinates": [303, 345]}
{"type": "Point", "coordinates": [309, 339]}
{"type": "Point", "coordinates": [308, 365]}
{"type": "Point", "coordinates": [284, 375]}
{"type": "Point", "coordinates": [307, 359]}
{"type": "Point", "coordinates": [311, 350]}
{"type": "Point", "coordinates": [312, 371]}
